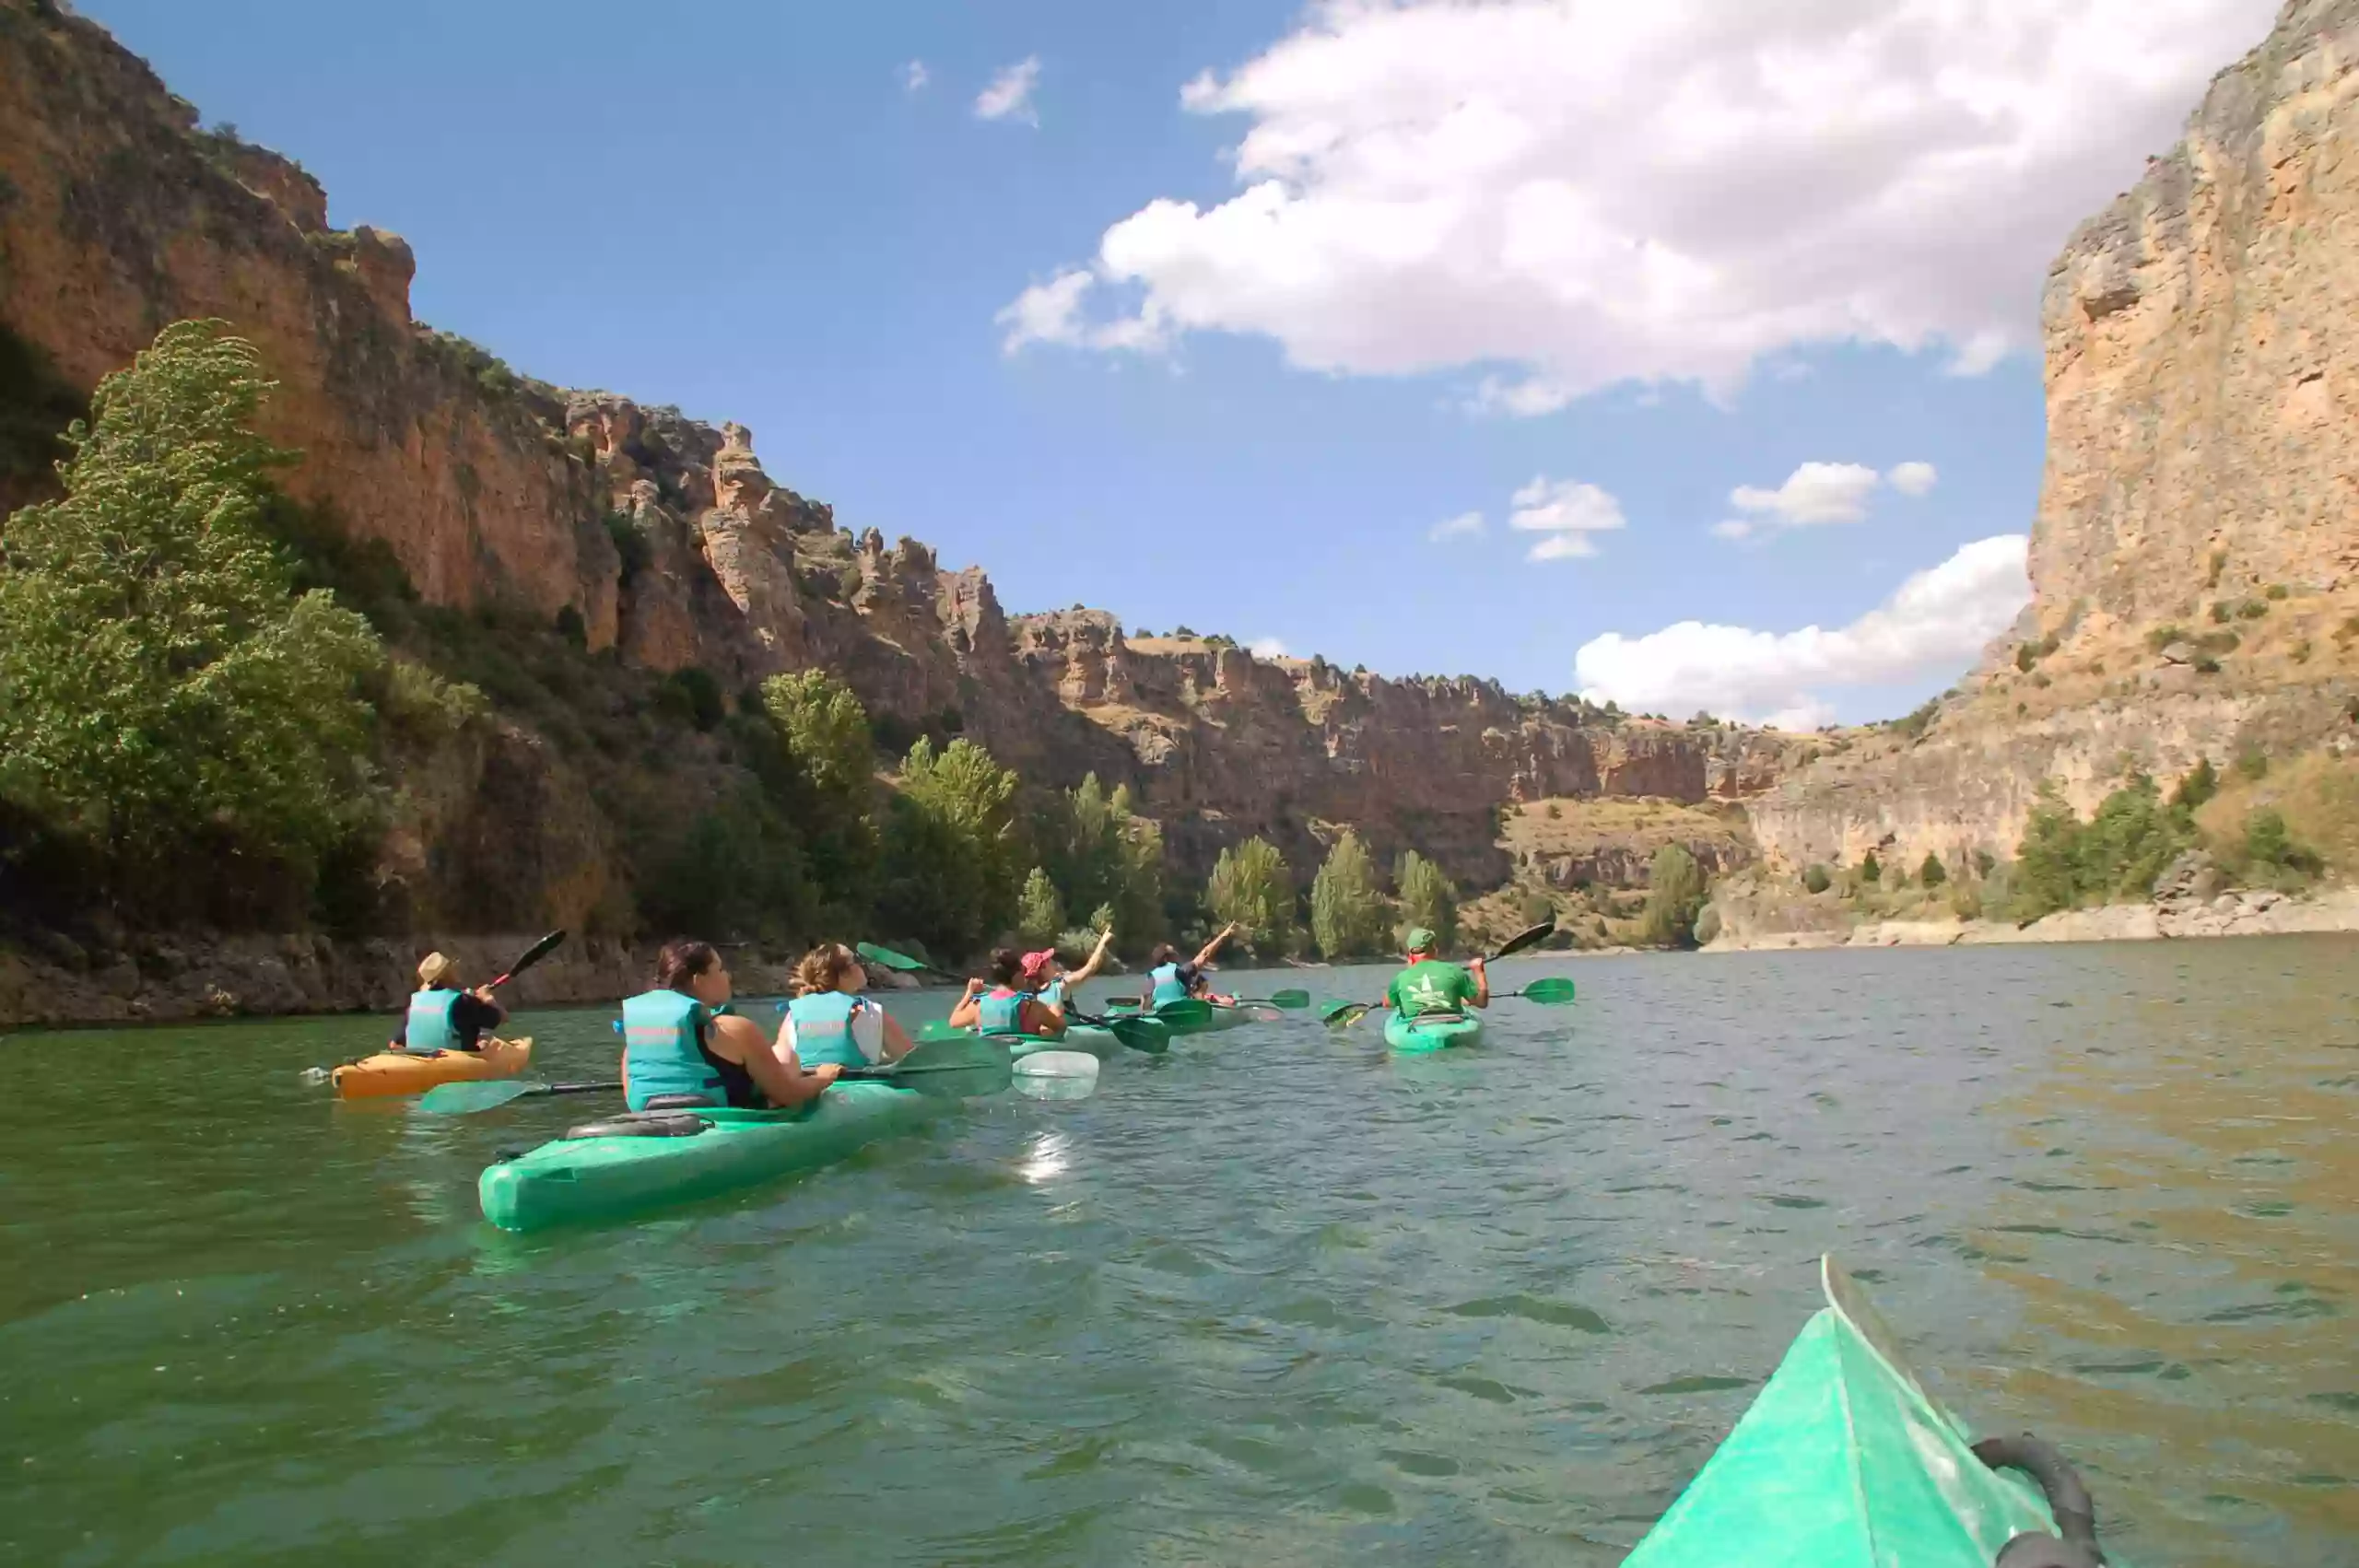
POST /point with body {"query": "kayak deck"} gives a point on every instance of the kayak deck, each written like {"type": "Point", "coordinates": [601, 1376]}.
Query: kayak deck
{"type": "Point", "coordinates": [1844, 1459]}
{"type": "Point", "coordinates": [1216, 1019]}
{"type": "Point", "coordinates": [397, 1072]}
{"type": "Point", "coordinates": [587, 1178]}
{"type": "Point", "coordinates": [1414, 1037]}
{"type": "Point", "coordinates": [1092, 1040]}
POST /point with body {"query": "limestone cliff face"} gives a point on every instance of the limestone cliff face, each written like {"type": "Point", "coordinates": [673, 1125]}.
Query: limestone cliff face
{"type": "Point", "coordinates": [2197, 546]}
{"type": "Point", "coordinates": [672, 544]}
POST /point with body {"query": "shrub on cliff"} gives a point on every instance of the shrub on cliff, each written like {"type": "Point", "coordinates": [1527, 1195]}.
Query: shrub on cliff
{"type": "Point", "coordinates": [1818, 878]}
{"type": "Point", "coordinates": [1674, 898]}
{"type": "Point", "coordinates": [1427, 897]}
{"type": "Point", "coordinates": [1252, 887]}
{"type": "Point", "coordinates": [1347, 912]}
{"type": "Point", "coordinates": [1933, 874]}
{"type": "Point", "coordinates": [167, 698]}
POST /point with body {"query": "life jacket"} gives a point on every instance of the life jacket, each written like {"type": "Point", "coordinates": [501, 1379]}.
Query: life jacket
{"type": "Point", "coordinates": [661, 1054]}
{"type": "Point", "coordinates": [1002, 1012]}
{"type": "Point", "coordinates": [1054, 996]}
{"type": "Point", "coordinates": [429, 1028]}
{"type": "Point", "coordinates": [1168, 986]}
{"type": "Point", "coordinates": [824, 1029]}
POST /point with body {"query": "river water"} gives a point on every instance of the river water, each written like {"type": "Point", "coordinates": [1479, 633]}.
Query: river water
{"type": "Point", "coordinates": [1274, 1299]}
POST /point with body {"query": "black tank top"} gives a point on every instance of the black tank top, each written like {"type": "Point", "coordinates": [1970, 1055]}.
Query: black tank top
{"type": "Point", "coordinates": [735, 1082]}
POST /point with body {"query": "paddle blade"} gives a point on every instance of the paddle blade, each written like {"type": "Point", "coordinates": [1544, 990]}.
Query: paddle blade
{"type": "Point", "coordinates": [467, 1099]}
{"type": "Point", "coordinates": [1057, 1075]}
{"type": "Point", "coordinates": [533, 955]}
{"type": "Point", "coordinates": [959, 1069]}
{"type": "Point", "coordinates": [1342, 1014]}
{"type": "Point", "coordinates": [888, 958]}
{"type": "Point", "coordinates": [1550, 992]}
{"type": "Point", "coordinates": [1187, 1010]}
{"type": "Point", "coordinates": [1277, 999]}
{"type": "Point", "coordinates": [1532, 937]}
{"type": "Point", "coordinates": [1153, 1036]}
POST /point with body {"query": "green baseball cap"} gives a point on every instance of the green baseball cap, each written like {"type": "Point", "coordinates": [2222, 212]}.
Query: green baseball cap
{"type": "Point", "coordinates": [1419, 940]}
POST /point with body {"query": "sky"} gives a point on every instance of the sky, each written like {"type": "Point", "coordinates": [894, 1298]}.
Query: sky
{"type": "Point", "coordinates": [1682, 354]}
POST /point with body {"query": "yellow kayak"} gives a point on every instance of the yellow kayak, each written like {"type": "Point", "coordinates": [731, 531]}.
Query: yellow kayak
{"type": "Point", "coordinates": [394, 1073]}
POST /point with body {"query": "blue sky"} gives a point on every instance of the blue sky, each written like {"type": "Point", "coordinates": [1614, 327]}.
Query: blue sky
{"type": "Point", "coordinates": [746, 210]}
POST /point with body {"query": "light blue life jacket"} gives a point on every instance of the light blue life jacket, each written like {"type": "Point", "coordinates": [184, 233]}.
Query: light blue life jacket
{"type": "Point", "coordinates": [823, 1029]}
{"type": "Point", "coordinates": [1002, 1012]}
{"type": "Point", "coordinates": [1168, 986]}
{"type": "Point", "coordinates": [429, 1028]}
{"type": "Point", "coordinates": [660, 1050]}
{"type": "Point", "coordinates": [1055, 995]}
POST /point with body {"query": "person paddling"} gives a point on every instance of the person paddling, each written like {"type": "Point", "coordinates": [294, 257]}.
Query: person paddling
{"type": "Point", "coordinates": [830, 1021]}
{"type": "Point", "coordinates": [1174, 981]}
{"type": "Point", "coordinates": [679, 1041]}
{"type": "Point", "coordinates": [1041, 975]}
{"type": "Point", "coordinates": [1002, 1006]}
{"type": "Point", "coordinates": [442, 1017]}
{"type": "Point", "coordinates": [1429, 987]}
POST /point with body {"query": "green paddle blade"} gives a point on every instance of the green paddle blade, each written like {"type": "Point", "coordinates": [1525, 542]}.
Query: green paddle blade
{"type": "Point", "coordinates": [1551, 992]}
{"type": "Point", "coordinates": [1276, 998]}
{"type": "Point", "coordinates": [1340, 1015]}
{"type": "Point", "coordinates": [1153, 1036]}
{"type": "Point", "coordinates": [888, 958]}
{"type": "Point", "coordinates": [467, 1099]}
{"type": "Point", "coordinates": [1530, 936]}
{"type": "Point", "coordinates": [954, 1069]}
{"type": "Point", "coordinates": [1187, 1010]}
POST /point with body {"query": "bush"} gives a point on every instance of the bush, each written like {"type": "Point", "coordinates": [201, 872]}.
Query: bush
{"type": "Point", "coordinates": [693, 696]}
{"type": "Point", "coordinates": [1554, 811]}
{"type": "Point", "coordinates": [1347, 912]}
{"type": "Point", "coordinates": [2252, 763]}
{"type": "Point", "coordinates": [2276, 591]}
{"type": "Point", "coordinates": [1871, 869]}
{"type": "Point", "coordinates": [1933, 874]}
{"type": "Point", "coordinates": [630, 546]}
{"type": "Point", "coordinates": [570, 626]}
{"type": "Point", "coordinates": [1919, 720]}
{"type": "Point", "coordinates": [1818, 878]}
{"type": "Point", "coordinates": [2268, 843]}
{"type": "Point", "coordinates": [2252, 610]}
{"type": "Point", "coordinates": [1675, 899]}
{"type": "Point", "coordinates": [2220, 611]}
{"type": "Point", "coordinates": [2162, 637]}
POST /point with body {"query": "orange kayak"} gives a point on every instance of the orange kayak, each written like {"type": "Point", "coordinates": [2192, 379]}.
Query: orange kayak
{"type": "Point", "coordinates": [391, 1072]}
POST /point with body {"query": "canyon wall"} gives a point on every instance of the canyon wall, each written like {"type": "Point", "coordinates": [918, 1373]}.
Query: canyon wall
{"type": "Point", "coordinates": [2195, 559]}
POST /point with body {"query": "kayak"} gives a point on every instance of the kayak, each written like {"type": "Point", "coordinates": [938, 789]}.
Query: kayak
{"type": "Point", "coordinates": [396, 1073]}
{"type": "Point", "coordinates": [1220, 1018]}
{"type": "Point", "coordinates": [1095, 1039]}
{"type": "Point", "coordinates": [1845, 1459]}
{"type": "Point", "coordinates": [1434, 1032]}
{"type": "Point", "coordinates": [655, 1157]}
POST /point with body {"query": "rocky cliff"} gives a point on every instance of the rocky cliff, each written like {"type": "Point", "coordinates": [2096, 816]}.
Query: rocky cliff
{"type": "Point", "coordinates": [660, 538]}
{"type": "Point", "coordinates": [2195, 559]}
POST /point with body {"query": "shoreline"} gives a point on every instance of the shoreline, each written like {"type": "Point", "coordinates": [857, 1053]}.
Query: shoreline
{"type": "Point", "coordinates": [2251, 913]}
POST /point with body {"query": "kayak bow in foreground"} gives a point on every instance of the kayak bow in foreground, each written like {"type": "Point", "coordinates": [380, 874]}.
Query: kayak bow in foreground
{"type": "Point", "coordinates": [1844, 1461]}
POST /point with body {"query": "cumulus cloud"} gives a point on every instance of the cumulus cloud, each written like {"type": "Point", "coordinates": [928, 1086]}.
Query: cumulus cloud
{"type": "Point", "coordinates": [1565, 512]}
{"type": "Point", "coordinates": [1051, 312]}
{"type": "Point", "coordinates": [1818, 493]}
{"type": "Point", "coordinates": [914, 76]}
{"type": "Point", "coordinates": [1936, 623]}
{"type": "Point", "coordinates": [1562, 196]}
{"type": "Point", "coordinates": [1268, 648]}
{"type": "Point", "coordinates": [1465, 525]}
{"type": "Point", "coordinates": [1009, 96]}
{"type": "Point", "coordinates": [1912, 478]}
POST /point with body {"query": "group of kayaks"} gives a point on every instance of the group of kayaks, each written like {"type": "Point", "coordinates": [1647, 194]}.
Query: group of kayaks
{"type": "Point", "coordinates": [1843, 1459]}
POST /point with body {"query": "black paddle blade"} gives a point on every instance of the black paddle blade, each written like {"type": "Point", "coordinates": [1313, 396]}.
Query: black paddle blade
{"type": "Point", "coordinates": [1523, 939]}
{"type": "Point", "coordinates": [533, 955]}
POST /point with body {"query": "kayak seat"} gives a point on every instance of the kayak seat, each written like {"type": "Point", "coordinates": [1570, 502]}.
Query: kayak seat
{"type": "Point", "coordinates": [676, 1103]}
{"type": "Point", "coordinates": [640, 1126]}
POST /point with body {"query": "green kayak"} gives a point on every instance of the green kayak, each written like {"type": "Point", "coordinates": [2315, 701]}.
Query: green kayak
{"type": "Point", "coordinates": [1216, 1018]}
{"type": "Point", "coordinates": [1434, 1032]}
{"type": "Point", "coordinates": [700, 1152]}
{"type": "Point", "coordinates": [1845, 1459]}
{"type": "Point", "coordinates": [1092, 1040]}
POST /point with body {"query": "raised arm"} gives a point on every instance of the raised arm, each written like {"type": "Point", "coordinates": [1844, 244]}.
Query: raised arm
{"type": "Point", "coordinates": [1097, 962]}
{"type": "Point", "coordinates": [969, 1013]}
{"type": "Point", "coordinates": [1205, 954]}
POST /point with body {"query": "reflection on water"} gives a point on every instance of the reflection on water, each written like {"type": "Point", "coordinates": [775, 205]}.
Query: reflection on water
{"type": "Point", "coordinates": [1278, 1297]}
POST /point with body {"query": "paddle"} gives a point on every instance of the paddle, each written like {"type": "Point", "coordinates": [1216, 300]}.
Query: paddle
{"type": "Point", "coordinates": [468, 1099]}
{"type": "Point", "coordinates": [1276, 998]}
{"type": "Point", "coordinates": [524, 961]}
{"type": "Point", "coordinates": [1342, 1014]}
{"type": "Point", "coordinates": [900, 962]}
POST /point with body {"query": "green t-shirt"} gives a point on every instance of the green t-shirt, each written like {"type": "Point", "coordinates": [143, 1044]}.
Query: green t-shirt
{"type": "Point", "coordinates": [1430, 987]}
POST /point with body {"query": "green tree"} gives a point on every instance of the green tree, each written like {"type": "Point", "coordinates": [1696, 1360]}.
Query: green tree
{"type": "Point", "coordinates": [948, 871]}
{"type": "Point", "coordinates": [1674, 898]}
{"type": "Point", "coordinates": [1040, 912]}
{"type": "Point", "coordinates": [1933, 874]}
{"type": "Point", "coordinates": [2047, 862]}
{"type": "Point", "coordinates": [1817, 878]}
{"type": "Point", "coordinates": [165, 697]}
{"type": "Point", "coordinates": [833, 788]}
{"type": "Point", "coordinates": [1347, 912]}
{"type": "Point", "coordinates": [1099, 852]}
{"type": "Point", "coordinates": [1427, 898]}
{"type": "Point", "coordinates": [1871, 869]}
{"type": "Point", "coordinates": [1251, 886]}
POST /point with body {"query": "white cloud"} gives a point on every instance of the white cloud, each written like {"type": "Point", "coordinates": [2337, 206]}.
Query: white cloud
{"type": "Point", "coordinates": [1009, 96]}
{"type": "Point", "coordinates": [1051, 312]}
{"type": "Point", "coordinates": [1269, 648]}
{"type": "Point", "coordinates": [1912, 478]}
{"type": "Point", "coordinates": [1562, 196]}
{"type": "Point", "coordinates": [1465, 525]}
{"type": "Point", "coordinates": [1568, 512]}
{"type": "Point", "coordinates": [914, 76]}
{"type": "Point", "coordinates": [1937, 622]}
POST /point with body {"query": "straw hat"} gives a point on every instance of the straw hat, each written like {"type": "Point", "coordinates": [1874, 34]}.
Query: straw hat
{"type": "Point", "coordinates": [434, 969]}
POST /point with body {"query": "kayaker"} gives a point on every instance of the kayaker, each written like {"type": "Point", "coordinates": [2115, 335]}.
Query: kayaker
{"type": "Point", "coordinates": [1173, 981]}
{"type": "Point", "coordinates": [1429, 986]}
{"type": "Point", "coordinates": [1045, 979]}
{"type": "Point", "coordinates": [830, 1021]}
{"type": "Point", "coordinates": [442, 1017]}
{"type": "Point", "coordinates": [678, 1041]}
{"type": "Point", "coordinates": [1002, 1006]}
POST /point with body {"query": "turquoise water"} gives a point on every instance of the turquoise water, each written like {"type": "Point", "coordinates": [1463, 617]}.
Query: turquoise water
{"type": "Point", "coordinates": [1277, 1298]}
